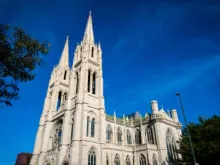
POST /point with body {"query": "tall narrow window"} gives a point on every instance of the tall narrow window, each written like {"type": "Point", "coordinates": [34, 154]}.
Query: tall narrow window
{"type": "Point", "coordinates": [127, 161]}
{"type": "Point", "coordinates": [117, 160]}
{"type": "Point", "coordinates": [93, 128]}
{"type": "Point", "coordinates": [65, 96]}
{"type": "Point", "coordinates": [129, 137]}
{"type": "Point", "coordinates": [142, 160]}
{"type": "Point", "coordinates": [77, 82]}
{"type": "Point", "coordinates": [119, 135]}
{"type": "Point", "coordinates": [149, 133]}
{"type": "Point", "coordinates": [59, 100]}
{"type": "Point", "coordinates": [72, 127]}
{"type": "Point", "coordinates": [154, 159]}
{"type": "Point", "coordinates": [87, 129]}
{"type": "Point", "coordinates": [138, 136]}
{"type": "Point", "coordinates": [59, 133]}
{"type": "Point", "coordinates": [88, 84]}
{"type": "Point", "coordinates": [108, 133]}
{"type": "Point", "coordinates": [64, 75]}
{"type": "Point", "coordinates": [94, 83]}
{"type": "Point", "coordinates": [171, 145]}
{"type": "Point", "coordinates": [107, 161]}
{"type": "Point", "coordinates": [92, 51]}
{"type": "Point", "coordinates": [91, 157]}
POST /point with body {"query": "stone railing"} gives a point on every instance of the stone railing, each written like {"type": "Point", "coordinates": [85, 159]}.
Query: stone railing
{"type": "Point", "coordinates": [136, 122]}
{"type": "Point", "coordinates": [119, 146]}
{"type": "Point", "coordinates": [58, 113]}
{"type": "Point", "coordinates": [128, 122]}
{"type": "Point", "coordinates": [156, 116]}
{"type": "Point", "coordinates": [110, 118]}
{"type": "Point", "coordinates": [140, 147]}
{"type": "Point", "coordinates": [119, 121]}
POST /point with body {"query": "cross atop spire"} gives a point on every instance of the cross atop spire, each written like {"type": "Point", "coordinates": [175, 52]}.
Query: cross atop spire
{"type": "Point", "coordinates": [64, 60]}
{"type": "Point", "coordinates": [89, 35]}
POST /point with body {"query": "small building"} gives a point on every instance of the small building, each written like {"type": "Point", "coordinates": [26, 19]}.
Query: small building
{"type": "Point", "coordinates": [23, 158]}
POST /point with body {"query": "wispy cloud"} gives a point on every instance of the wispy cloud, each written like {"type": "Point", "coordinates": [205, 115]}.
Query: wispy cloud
{"type": "Point", "coordinates": [177, 77]}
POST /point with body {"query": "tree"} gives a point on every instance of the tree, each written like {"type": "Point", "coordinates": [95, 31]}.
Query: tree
{"type": "Point", "coordinates": [19, 56]}
{"type": "Point", "coordinates": [206, 142]}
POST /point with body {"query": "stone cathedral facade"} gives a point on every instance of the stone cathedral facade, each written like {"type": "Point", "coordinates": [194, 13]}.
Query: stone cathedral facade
{"type": "Point", "coordinates": [74, 128]}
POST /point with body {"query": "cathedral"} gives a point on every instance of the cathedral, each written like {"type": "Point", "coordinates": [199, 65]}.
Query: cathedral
{"type": "Point", "coordinates": [74, 128]}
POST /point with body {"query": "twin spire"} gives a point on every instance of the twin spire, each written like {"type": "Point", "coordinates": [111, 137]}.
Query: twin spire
{"type": "Point", "coordinates": [64, 60]}
{"type": "Point", "coordinates": [87, 39]}
{"type": "Point", "coordinates": [89, 35]}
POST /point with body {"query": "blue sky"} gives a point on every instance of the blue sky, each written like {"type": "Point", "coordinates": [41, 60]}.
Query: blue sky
{"type": "Point", "coordinates": [151, 49]}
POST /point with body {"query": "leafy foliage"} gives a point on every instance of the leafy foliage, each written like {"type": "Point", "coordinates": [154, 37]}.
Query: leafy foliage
{"type": "Point", "coordinates": [206, 142]}
{"type": "Point", "coordinates": [19, 56]}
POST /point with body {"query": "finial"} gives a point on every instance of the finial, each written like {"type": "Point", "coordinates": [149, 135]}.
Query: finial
{"type": "Point", "coordinates": [146, 114]}
{"type": "Point", "coordinates": [99, 46]}
{"type": "Point", "coordinates": [88, 37]}
{"type": "Point", "coordinates": [64, 59]}
{"type": "Point", "coordinates": [162, 107]}
{"type": "Point", "coordinates": [168, 112]}
{"type": "Point", "coordinates": [90, 12]}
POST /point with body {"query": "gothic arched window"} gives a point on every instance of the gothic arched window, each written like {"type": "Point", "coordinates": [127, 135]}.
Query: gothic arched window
{"type": "Point", "coordinates": [87, 129]}
{"type": "Point", "coordinates": [138, 136]}
{"type": "Point", "coordinates": [163, 163]}
{"type": "Point", "coordinates": [64, 77]}
{"type": "Point", "coordinates": [57, 134]}
{"type": "Point", "coordinates": [88, 83]}
{"type": "Point", "coordinates": [77, 82]}
{"type": "Point", "coordinates": [65, 96]}
{"type": "Point", "coordinates": [129, 137]}
{"type": "Point", "coordinates": [93, 127]}
{"type": "Point", "coordinates": [171, 145]}
{"type": "Point", "coordinates": [117, 159]}
{"type": "Point", "coordinates": [142, 160]}
{"type": "Point", "coordinates": [107, 161]}
{"type": "Point", "coordinates": [91, 157]}
{"type": "Point", "coordinates": [127, 161]}
{"type": "Point", "coordinates": [154, 159]}
{"type": "Point", "coordinates": [65, 163]}
{"type": "Point", "coordinates": [92, 51]}
{"type": "Point", "coordinates": [59, 100]}
{"type": "Point", "coordinates": [94, 83]}
{"type": "Point", "coordinates": [119, 135]}
{"type": "Point", "coordinates": [108, 133]}
{"type": "Point", "coordinates": [149, 133]}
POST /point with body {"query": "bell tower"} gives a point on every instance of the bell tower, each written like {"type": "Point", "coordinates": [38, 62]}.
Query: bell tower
{"type": "Point", "coordinates": [89, 112]}
{"type": "Point", "coordinates": [73, 118]}
{"type": "Point", "coordinates": [55, 101]}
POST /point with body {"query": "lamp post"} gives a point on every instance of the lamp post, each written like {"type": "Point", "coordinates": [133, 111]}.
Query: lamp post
{"type": "Point", "coordinates": [190, 141]}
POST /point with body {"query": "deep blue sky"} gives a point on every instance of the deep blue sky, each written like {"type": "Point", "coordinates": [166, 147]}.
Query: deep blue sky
{"type": "Point", "coordinates": [151, 49]}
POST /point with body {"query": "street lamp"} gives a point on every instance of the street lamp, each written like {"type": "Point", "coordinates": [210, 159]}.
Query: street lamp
{"type": "Point", "coordinates": [190, 141]}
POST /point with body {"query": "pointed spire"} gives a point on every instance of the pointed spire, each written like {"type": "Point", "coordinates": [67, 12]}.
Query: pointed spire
{"type": "Point", "coordinates": [114, 113]}
{"type": "Point", "coordinates": [64, 60]}
{"type": "Point", "coordinates": [99, 47]}
{"type": "Point", "coordinates": [168, 112]}
{"type": "Point", "coordinates": [89, 35]}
